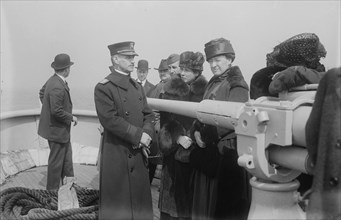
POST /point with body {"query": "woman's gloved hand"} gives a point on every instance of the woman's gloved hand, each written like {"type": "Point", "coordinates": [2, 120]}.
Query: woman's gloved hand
{"type": "Point", "coordinates": [198, 139]}
{"type": "Point", "coordinates": [184, 141]}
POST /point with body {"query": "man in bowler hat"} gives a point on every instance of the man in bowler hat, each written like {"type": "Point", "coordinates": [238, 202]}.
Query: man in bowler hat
{"type": "Point", "coordinates": [127, 120]}
{"type": "Point", "coordinates": [55, 122]}
{"type": "Point", "coordinates": [142, 73]}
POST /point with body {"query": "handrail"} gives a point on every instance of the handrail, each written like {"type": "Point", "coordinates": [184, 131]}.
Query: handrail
{"type": "Point", "coordinates": [36, 112]}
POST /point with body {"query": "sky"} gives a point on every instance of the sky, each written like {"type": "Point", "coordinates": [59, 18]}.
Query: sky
{"type": "Point", "coordinates": [34, 32]}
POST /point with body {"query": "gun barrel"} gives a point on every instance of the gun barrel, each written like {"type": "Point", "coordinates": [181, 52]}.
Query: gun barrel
{"type": "Point", "coordinates": [266, 125]}
{"type": "Point", "coordinates": [291, 157]}
{"type": "Point", "coordinates": [212, 112]}
{"type": "Point", "coordinates": [188, 109]}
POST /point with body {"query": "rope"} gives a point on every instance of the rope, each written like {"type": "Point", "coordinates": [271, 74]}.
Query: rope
{"type": "Point", "coordinates": [36, 204]}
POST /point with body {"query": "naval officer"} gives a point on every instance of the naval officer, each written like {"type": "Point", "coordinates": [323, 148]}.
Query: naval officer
{"type": "Point", "coordinates": [128, 127]}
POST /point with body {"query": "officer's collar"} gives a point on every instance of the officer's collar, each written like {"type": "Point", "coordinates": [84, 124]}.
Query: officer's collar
{"type": "Point", "coordinates": [120, 79]}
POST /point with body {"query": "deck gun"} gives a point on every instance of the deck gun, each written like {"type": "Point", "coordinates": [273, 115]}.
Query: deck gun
{"type": "Point", "coordinates": [270, 143]}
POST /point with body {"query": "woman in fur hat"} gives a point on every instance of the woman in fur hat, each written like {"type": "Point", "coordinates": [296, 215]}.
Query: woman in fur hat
{"type": "Point", "coordinates": [221, 189]}
{"type": "Point", "coordinates": [175, 199]}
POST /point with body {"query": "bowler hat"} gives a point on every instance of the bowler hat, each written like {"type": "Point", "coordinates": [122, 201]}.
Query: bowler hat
{"type": "Point", "coordinates": [163, 65]}
{"type": "Point", "coordinates": [191, 60]}
{"type": "Point", "coordinates": [142, 65]}
{"type": "Point", "coordinates": [218, 47]}
{"type": "Point", "coordinates": [173, 58]}
{"type": "Point", "coordinates": [61, 61]}
{"type": "Point", "coordinates": [124, 48]}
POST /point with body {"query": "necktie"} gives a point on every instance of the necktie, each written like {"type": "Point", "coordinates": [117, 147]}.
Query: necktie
{"type": "Point", "coordinates": [67, 86]}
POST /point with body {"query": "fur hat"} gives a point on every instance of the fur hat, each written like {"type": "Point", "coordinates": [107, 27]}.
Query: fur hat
{"type": "Point", "coordinates": [218, 47]}
{"type": "Point", "coordinates": [191, 60]}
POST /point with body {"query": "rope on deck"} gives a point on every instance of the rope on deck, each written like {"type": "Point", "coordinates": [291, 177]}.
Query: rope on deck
{"type": "Point", "coordinates": [28, 204]}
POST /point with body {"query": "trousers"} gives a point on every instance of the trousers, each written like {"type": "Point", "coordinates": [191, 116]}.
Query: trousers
{"type": "Point", "coordinates": [59, 164]}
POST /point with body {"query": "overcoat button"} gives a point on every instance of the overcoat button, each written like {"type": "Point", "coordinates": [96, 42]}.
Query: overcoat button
{"type": "Point", "coordinates": [334, 181]}
{"type": "Point", "coordinates": [140, 98]}
{"type": "Point", "coordinates": [130, 155]}
{"type": "Point", "coordinates": [131, 170]}
{"type": "Point", "coordinates": [338, 144]}
{"type": "Point", "coordinates": [127, 113]}
{"type": "Point", "coordinates": [124, 100]}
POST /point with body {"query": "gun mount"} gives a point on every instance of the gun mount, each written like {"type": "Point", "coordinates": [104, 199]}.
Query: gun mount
{"type": "Point", "coordinates": [270, 144]}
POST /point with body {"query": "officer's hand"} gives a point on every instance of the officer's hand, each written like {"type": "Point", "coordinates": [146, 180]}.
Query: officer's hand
{"type": "Point", "coordinates": [145, 151]}
{"type": "Point", "coordinates": [145, 139]}
{"type": "Point", "coordinates": [75, 120]}
{"type": "Point", "coordinates": [184, 141]}
{"type": "Point", "coordinates": [197, 136]}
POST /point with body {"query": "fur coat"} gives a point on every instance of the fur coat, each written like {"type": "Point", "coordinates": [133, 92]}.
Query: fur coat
{"type": "Point", "coordinates": [175, 197]}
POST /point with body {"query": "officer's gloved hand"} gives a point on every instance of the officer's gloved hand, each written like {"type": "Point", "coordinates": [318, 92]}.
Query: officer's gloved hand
{"type": "Point", "coordinates": [145, 151]}
{"type": "Point", "coordinates": [292, 77]}
{"type": "Point", "coordinates": [145, 140]}
{"type": "Point", "coordinates": [184, 141]}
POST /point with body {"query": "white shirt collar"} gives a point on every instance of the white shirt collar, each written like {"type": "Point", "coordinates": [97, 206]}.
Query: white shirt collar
{"type": "Point", "coordinates": [127, 74]}
{"type": "Point", "coordinates": [143, 82]}
{"type": "Point", "coordinates": [62, 77]}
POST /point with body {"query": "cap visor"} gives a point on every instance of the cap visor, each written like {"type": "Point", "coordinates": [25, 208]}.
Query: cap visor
{"type": "Point", "coordinates": [131, 53]}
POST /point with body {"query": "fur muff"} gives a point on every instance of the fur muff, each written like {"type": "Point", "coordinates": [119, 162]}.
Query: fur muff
{"type": "Point", "coordinates": [261, 80]}
{"type": "Point", "coordinates": [176, 88]}
{"type": "Point", "coordinates": [169, 134]}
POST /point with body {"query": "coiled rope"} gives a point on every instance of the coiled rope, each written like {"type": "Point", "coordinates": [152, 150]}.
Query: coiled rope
{"type": "Point", "coordinates": [28, 204]}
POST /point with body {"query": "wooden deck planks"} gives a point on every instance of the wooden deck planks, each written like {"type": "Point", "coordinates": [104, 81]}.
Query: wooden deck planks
{"type": "Point", "coordinates": [87, 176]}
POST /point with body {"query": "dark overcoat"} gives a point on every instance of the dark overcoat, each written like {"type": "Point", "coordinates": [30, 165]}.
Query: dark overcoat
{"type": "Point", "coordinates": [157, 90]}
{"type": "Point", "coordinates": [323, 138]}
{"type": "Point", "coordinates": [124, 181]}
{"type": "Point", "coordinates": [148, 86]}
{"type": "Point", "coordinates": [56, 112]}
{"type": "Point", "coordinates": [175, 197]}
{"type": "Point", "coordinates": [221, 186]}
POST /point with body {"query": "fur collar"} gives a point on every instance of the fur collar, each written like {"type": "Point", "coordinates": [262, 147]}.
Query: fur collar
{"type": "Point", "coordinates": [199, 85]}
{"type": "Point", "coordinates": [176, 87]}
{"type": "Point", "coordinates": [235, 77]}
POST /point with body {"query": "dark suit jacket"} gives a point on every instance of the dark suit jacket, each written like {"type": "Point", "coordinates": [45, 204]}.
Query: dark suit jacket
{"type": "Point", "coordinates": [148, 87]}
{"type": "Point", "coordinates": [56, 112]}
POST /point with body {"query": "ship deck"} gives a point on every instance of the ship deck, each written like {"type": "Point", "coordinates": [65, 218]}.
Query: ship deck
{"type": "Point", "coordinates": [87, 176]}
